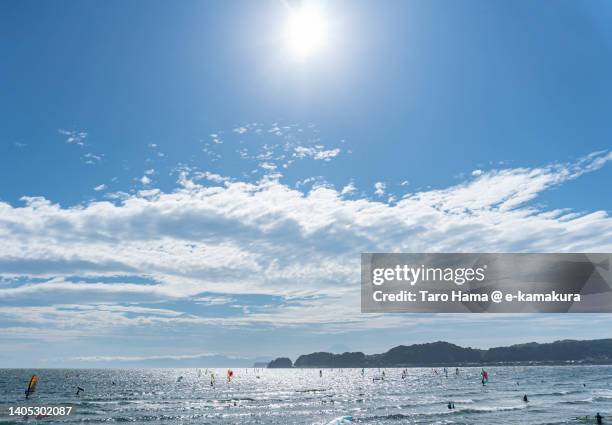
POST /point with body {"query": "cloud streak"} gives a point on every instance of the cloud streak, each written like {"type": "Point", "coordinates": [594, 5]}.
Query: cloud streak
{"type": "Point", "coordinates": [215, 235]}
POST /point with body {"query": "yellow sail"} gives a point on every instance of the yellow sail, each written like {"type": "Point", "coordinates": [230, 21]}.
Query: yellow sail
{"type": "Point", "coordinates": [32, 385]}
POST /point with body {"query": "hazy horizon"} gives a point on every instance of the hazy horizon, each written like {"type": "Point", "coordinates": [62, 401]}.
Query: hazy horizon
{"type": "Point", "coordinates": [208, 360]}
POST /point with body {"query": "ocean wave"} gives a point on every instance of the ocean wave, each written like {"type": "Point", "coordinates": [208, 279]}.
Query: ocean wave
{"type": "Point", "coordinates": [573, 402]}
{"type": "Point", "coordinates": [489, 409]}
{"type": "Point", "coordinates": [389, 417]}
{"type": "Point", "coordinates": [557, 393]}
{"type": "Point", "coordinates": [434, 402]}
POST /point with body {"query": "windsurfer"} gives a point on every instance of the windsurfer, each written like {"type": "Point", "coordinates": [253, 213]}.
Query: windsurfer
{"type": "Point", "coordinates": [485, 377]}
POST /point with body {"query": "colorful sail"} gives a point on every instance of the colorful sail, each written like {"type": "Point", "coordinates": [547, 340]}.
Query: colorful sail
{"type": "Point", "coordinates": [31, 386]}
{"type": "Point", "coordinates": [485, 377]}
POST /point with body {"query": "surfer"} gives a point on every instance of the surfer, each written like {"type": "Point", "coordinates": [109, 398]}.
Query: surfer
{"type": "Point", "coordinates": [456, 371]}
{"type": "Point", "coordinates": [599, 418]}
{"type": "Point", "coordinates": [320, 373]}
{"type": "Point", "coordinates": [451, 405]}
{"type": "Point", "coordinates": [525, 399]}
{"type": "Point", "coordinates": [79, 391]}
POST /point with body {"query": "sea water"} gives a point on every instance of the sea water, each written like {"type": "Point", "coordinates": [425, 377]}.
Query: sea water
{"type": "Point", "coordinates": [557, 395]}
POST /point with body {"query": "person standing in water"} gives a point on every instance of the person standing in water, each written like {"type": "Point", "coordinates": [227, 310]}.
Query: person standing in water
{"type": "Point", "coordinates": [525, 399]}
{"type": "Point", "coordinates": [320, 373]}
{"type": "Point", "coordinates": [599, 418]}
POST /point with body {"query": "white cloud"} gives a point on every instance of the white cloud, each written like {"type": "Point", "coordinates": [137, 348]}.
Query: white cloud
{"type": "Point", "coordinates": [379, 188]}
{"type": "Point", "coordinates": [318, 152]}
{"type": "Point", "coordinates": [268, 166]}
{"type": "Point", "coordinates": [74, 137]}
{"type": "Point", "coordinates": [100, 188]}
{"type": "Point", "coordinates": [215, 178]}
{"type": "Point", "coordinates": [213, 300]}
{"type": "Point", "coordinates": [145, 180]}
{"type": "Point", "coordinates": [267, 238]}
{"type": "Point", "coordinates": [349, 189]}
{"type": "Point", "coordinates": [276, 130]}
{"type": "Point", "coordinates": [477, 173]}
{"type": "Point", "coordinates": [92, 159]}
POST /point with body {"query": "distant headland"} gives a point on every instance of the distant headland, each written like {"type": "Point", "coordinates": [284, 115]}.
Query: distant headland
{"type": "Point", "coordinates": [441, 353]}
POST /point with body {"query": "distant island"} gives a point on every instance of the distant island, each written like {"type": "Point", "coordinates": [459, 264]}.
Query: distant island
{"type": "Point", "coordinates": [441, 353]}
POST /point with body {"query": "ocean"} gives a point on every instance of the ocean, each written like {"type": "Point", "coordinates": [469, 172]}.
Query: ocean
{"type": "Point", "coordinates": [557, 395]}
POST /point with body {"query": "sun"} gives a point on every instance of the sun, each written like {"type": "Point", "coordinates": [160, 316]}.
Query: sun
{"type": "Point", "coordinates": [306, 31]}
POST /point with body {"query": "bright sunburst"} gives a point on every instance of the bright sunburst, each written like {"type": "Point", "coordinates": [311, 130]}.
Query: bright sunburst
{"type": "Point", "coordinates": [306, 31]}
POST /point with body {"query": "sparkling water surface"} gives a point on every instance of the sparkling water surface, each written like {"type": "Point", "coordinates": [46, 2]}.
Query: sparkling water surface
{"type": "Point", "coordinates": [557, 395]}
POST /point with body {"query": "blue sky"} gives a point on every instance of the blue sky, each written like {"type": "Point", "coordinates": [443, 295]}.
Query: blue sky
{"type": "Point", "coordinates": [176, 185]}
